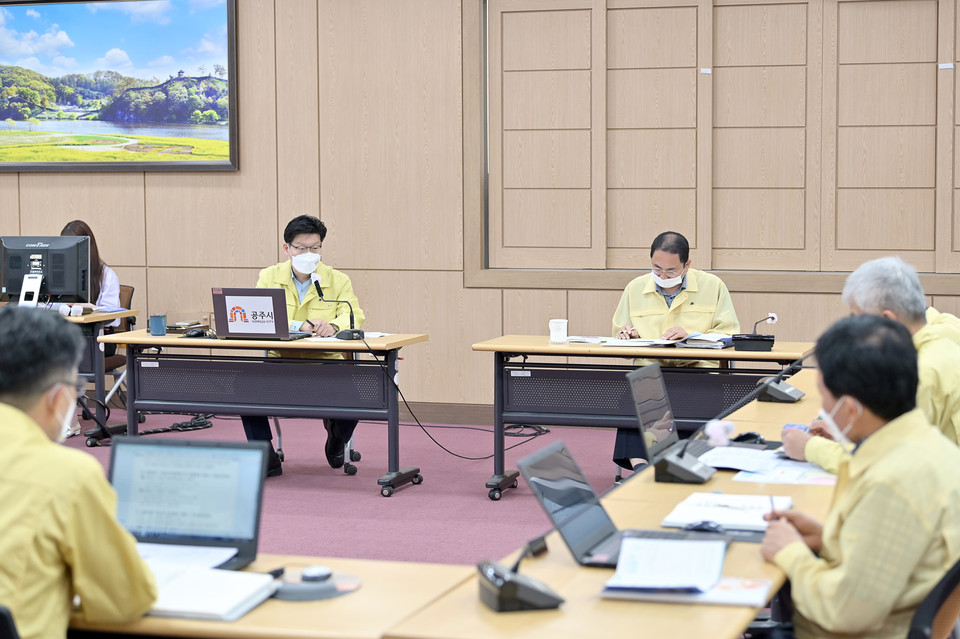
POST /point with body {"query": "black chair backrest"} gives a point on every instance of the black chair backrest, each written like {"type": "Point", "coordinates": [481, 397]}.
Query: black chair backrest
{"type": "Point", "coordinates": [126, 300]}
{"type": "Point", "coordinates": [938, 612]}
{"type": "Point", "coordinates": [8, 630]}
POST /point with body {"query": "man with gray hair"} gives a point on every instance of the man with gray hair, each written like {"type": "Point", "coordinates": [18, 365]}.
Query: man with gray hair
{"type": "Point", "coordinates": [889, 287]}
{"type": "Point", "coordinates": [60, 535]}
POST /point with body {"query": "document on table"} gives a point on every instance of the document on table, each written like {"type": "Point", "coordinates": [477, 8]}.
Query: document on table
{"type": "Point", "coordinates": [731, 591]}
{"type": "Point", "coordinates": [668, 564]}
{"type": "Point", "coordinates": [789, 471]}
{"type": "Point", "coordinates": [736, 512]}
{"type": "Point", "coordinates": [740, 458]}
{"type": "Point", "coordinates": [613, 341]}
{"type": "Point", "coordinates": [334, 339]}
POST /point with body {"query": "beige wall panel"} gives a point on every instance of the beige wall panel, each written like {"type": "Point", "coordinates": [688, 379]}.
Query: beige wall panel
{"type": "Point", "coordinates": [136, 276]}
{"type": "Point", "coordinates": [762, 259]}
{"type": "Point", "coordinates": [111, 203]}
{"type": "Point", "coordinates": [651, 98]}
{"type": "Point", "coordinates": [184, 293]}
{"type": "Point", "coordinates": [527, 312]}
{"type": "Point", "coordinates": [803, 316]}
{"type": "Point", "coordinates": [636, 216]}
{"type": "Point", "coordinates": [546, 100]}
{"type": "Point", "coordinates": [443, 369]}
{"type": "Point", "coordinates": [546, 159]}
{"type": "Point", "coordinates": [889, 219]}
{"type": "Point", "coordinates": [758, 218]}
{"type": "Point", "coordinates": [665, 158]}
{"type": "Point", "coordinates": [591, 312]}
{"type": "Point", "coordinates": [759, 96]}
{"type": "Point", "coordinates": [754, 35]}
{"type": "Point", "coordinates": [947, 304]}
{"type": "Point", "coordinates": [650, 38]}
{"type": "Point", "coordinates": [886, 157]}
{"type": "Point", "coordinates": [227, 219]}
{"type": "Point", "coordinates": [298, 129]}
{"type": "Point", "coordinates": [887, 94]}
{"type": "Point", "coordinates": [758, 158]}
{"type": "Point", "coordinates": [546, 217]}
{"type": "Point", "coordinates": [10, 204]}
{"type": "Point", "coordinates": [887, 31]}
{"type": "Point", "coordinates": [392, 133]}
{"type": "Point", "coordinates": [546, 40]}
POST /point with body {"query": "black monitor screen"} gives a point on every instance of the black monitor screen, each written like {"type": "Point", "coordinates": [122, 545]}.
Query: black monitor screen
{"type": "Point", "coordinates": [64, 263]}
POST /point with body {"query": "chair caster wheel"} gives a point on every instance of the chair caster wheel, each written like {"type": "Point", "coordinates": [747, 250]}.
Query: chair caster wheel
{"type": "Point", "coordinates": [141, 418]}
{"type": "Point", "coordinates": [386, 491]}
{"type": "Point", "coordinates": [516, 482]}
{"type": "Point", "coordinates": [354, 455]}
{"type": "Point", "coordinates": [280, 454]}
{"type": "Point", "coordinates": [495, 494]}
{"type": "Point", "coordinates": [350, 469]}
{"type": "Point", "coordinates": [416, 479]}
{"type": "Point", "coordinates": [92, 442]}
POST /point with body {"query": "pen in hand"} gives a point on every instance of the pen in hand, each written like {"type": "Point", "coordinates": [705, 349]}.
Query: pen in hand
{"type": "Point", "coordinates": [773, 510]}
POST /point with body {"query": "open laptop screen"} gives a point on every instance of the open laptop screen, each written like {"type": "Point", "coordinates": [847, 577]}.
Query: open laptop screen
{"type": "Point", "coordinates": [657, 426]}
{"type": "Point", "coordinates": [563, 491]}
{"type": "Point", "coordinates": [188, 492]}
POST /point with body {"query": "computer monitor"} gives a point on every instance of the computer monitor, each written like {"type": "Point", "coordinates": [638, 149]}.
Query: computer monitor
{"type": "Point", "coordinates": [63, 263]}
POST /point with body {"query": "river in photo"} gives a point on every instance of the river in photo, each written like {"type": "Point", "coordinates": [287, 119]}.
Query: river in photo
{"type": "Point", "coordinates": [132, 129]}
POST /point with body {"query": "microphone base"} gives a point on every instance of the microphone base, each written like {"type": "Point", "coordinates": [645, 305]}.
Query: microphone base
{"type": "Point", "coordinates": [780, 392]}
{"type": "Point", "coordinates": [752, 342]}
{"type": "Point", "coordinates": [674, 469]}
{"type": "Point", "coordinates": [350, 333]}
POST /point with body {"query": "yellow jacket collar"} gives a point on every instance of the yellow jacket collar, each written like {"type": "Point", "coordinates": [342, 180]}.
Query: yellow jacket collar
{"type": "Point", "coordinates": [891, 435]}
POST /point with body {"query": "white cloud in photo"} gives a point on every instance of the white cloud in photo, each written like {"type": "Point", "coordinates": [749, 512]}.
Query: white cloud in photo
{"type": "Point", "coordinates": [162, 61]}
{"type": "Point", "coordinates": [155, 12]}
{"type": "Point", "coordinates": [4, 16]}
{"type": "Point", "coordinates": [63, 62]}
{"type": "Point", "coordinates": [47, 45]}
{"type": "Point", "coordinates": [115, 60]}
{"type": "Point", "coordinates": [33, 13]}
{"type": "Point", "coordinates": [61, 66]}
{"type": "Point", "coordinates": [202, 5]}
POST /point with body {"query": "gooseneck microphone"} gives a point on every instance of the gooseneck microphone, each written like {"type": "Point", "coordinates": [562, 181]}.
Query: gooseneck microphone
{"type": "Point", "coordinates": [350, 333]}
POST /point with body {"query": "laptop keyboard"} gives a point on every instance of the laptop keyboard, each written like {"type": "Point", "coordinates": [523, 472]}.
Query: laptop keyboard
{"type": "Point", "coordinates": [670, 534]}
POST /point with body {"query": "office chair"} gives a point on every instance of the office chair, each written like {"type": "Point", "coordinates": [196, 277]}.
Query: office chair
{"type": "Point", "coordinates": [8, 629]}
{"type": "Point", "coordinates": [116, 364]}
{"type": "Point", "coordinates": [937, 614]}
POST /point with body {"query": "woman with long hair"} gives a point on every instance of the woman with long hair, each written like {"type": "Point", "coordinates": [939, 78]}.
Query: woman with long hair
{"type": "Point", "coordinates": [104, 283]}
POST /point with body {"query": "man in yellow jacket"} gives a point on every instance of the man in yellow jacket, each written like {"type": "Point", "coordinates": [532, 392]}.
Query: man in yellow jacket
{"type": "Point", "coordinates": [60, 536]}
{"type": "Point", "coordinates": [299, 276]}
{"type": "Point", "coordinates": [670, 302]}
{"type": "Point", "coordinates": [888, 286]}
{"type": "Point", "coordinates": [893, 529]}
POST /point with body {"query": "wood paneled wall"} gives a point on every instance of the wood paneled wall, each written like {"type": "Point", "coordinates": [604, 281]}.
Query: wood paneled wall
{"type": "Point", "coordinates": [369, 114]}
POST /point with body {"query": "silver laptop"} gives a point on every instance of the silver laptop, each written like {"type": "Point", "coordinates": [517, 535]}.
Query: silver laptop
{"type": "Point", "coordinates": [252, 313]}
{"type": "Point", "coordinates": [576, 512]}
{"type": "Point", "coordinates": [191, 493]}
{"type": "Point", "coordinates": [658, 429]}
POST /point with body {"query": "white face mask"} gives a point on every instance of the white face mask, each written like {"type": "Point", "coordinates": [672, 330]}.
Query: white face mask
{"type": "Point", "coordinates": [305, 263]}
{"type": "Point", "coordinates": [838, 434]}
{"type": "Point", "coordinates": [670, 283]}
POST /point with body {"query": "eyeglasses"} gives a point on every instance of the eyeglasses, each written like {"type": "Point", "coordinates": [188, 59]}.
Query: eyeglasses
{"type": "Point", "coordinates": [668, 273]}
{"type": "Point", "coordinates": [304, 249]}
{"type": "Point", "coordinates": [78, 383]}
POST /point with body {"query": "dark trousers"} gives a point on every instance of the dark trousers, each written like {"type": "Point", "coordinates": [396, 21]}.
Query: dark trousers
{"type": "Point", "coordinates": [628, 445]}
{"type": "Point", "coordinates": [257, 427]}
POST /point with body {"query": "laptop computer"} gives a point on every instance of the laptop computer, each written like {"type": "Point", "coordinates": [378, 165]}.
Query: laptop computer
{"type": "Point", "coordinates": [575, 509]}
{"type": "Point", "coordinates": [191, 493]}
{"type": "Point", "coordinates": [658, 430]}
{"type": "Point", "coordinates": [252, 313]}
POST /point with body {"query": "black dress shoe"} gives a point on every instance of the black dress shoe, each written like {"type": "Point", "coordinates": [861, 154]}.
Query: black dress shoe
{"type": "Point", "coordinates": [274, 467]}
{"type": "Point", "coordinates": [334, 446]}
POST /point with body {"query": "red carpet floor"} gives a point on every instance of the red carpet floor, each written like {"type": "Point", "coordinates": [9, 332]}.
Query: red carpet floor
{"type": "Point", "coordinates": [314, 510]}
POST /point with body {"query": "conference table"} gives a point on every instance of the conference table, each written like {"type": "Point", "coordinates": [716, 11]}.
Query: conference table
{"type": "Point", "coordinates": [92, 360]}
{"type": "Point", "coordinates": [210, 377]}
{"type": "Point", "coordinates": [598, 395]}
{"type": "Point", "coordinates": [389, 592]}
{"type": "Point", "coordinates": [639, 502]}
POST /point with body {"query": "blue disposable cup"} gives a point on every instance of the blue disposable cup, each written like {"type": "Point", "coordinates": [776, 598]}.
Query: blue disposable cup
{"type": "Point", "coordinates": [158, 324]}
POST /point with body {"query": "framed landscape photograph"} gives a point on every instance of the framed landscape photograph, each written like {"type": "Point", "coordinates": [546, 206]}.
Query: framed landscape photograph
{"type": "Point", "coordinates": [118, 85]}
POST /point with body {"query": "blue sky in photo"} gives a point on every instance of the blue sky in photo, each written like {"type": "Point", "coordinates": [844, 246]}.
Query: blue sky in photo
{"type": "Point", "coordinates": [140, 38]}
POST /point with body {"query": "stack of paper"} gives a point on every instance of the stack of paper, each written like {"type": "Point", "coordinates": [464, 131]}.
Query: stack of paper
{"type": "Point", "coordinates": [735, 512]}
{"type": "Point", "coordinates": [677, 565]}
{"type": "Point", "coordinates": [209, 593]}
